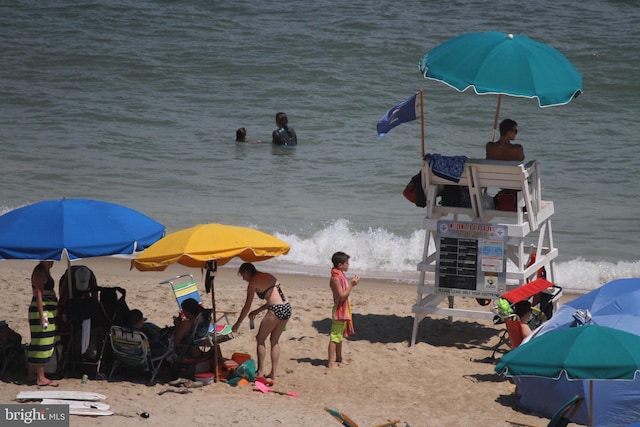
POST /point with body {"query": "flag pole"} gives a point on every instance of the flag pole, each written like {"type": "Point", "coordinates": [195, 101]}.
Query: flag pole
{"type": "Point", "coordinates": [422, 121]}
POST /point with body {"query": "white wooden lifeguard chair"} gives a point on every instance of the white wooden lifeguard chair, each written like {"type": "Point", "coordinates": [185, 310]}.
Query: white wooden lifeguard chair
{"type": "Point", "coordinates": [468, 248]}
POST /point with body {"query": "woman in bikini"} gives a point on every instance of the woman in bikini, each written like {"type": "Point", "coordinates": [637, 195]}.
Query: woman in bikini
{"type": "Point", "coordinates": [266, 287]}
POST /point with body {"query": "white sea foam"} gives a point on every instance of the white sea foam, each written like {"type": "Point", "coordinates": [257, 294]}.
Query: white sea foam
{"type": "Point", "coordinates": [377, 253]}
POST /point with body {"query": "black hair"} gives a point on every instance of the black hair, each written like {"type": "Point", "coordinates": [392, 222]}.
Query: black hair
{"type": "Point", "coordinates": [339, 258]}
{"type": "Point", "coordinates": [247, 266]}
{"type": "Point", "coordinates": [506, 125]}
{"type": "Point", "coordinates": [241, 135]}
{"type": "Point", "coordinates": [522, 307]}
{"type": "Point", "coordinates": [282, 120]}
{"type": "Point", "coordinates": [192, 306]}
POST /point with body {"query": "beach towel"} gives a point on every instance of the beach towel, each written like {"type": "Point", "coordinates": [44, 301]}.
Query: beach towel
{"type": "Point", "coordinates": [42, 340]}
{"type": "Point", "coordinates": [446, 167]}
{"type": "Point", "coordinates": [343, 310]}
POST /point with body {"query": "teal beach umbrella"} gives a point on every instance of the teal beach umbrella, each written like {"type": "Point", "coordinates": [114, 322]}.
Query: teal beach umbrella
{"type": "Point", "coordinates": [588, 352]}
{"type": "Point", "coordinates": [504, 64]}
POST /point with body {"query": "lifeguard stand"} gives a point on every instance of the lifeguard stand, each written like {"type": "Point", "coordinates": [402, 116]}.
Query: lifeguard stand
{"type": "Point", "coordinates": [470, 246]}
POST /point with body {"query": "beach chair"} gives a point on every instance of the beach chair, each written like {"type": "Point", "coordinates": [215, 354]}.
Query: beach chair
{"type": "Point", "coordinates": [348, 422]}
{"type": "Point", "coordinates": [131, 349]}
{"type": "Point", "coordinates": [205, 334]}
{"type": "Point", "coordinates": [562, 417]}
{"type": "Point", "coordinates": [184, 287]}
{"type": "Point", "coordinates": [545, 295]}
{"type": "Point", "coordinates": [207, 337]}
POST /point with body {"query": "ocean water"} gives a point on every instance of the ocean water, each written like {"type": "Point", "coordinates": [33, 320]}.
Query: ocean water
{"type": "Point", "coordinates": [137, 103]}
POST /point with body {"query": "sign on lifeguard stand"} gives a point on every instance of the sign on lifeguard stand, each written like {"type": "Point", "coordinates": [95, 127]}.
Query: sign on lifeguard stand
{"type": "Point", "coordinates": [472, 259]}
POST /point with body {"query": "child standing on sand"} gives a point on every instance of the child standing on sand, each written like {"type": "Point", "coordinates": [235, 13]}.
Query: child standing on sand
{"type": "Point", "coordinates": [341, 321]}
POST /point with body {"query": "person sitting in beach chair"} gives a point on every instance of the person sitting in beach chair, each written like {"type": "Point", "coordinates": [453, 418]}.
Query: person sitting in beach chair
{"type": "Point", "coordinates": [534, 302]}
{"type": "Point", "coordinates": [517, 326]}
{"type": "Point", "coordinates": [158, 340]}
{"type": "Point", "coordinates": [191, 328]}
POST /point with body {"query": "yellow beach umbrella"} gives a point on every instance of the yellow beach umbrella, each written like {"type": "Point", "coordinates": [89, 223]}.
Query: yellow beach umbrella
{"type": "Point", "coordinates": [210, 245]}
{"type": "Point", "coordinates": [194, 246]}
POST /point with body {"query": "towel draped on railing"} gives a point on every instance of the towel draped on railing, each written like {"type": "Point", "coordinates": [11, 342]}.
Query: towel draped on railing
{"type": "Point", "coordinates": [446, 167]}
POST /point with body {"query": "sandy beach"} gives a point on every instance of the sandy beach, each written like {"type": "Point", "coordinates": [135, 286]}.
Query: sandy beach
{"type": "Point", "coordinates": [444, 380]}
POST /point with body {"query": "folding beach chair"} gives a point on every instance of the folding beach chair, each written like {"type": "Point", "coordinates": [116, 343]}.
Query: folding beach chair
{"type": "Point", "coordinates": [184, 287]}
{"type": "Point", "coordinates": [348, 422]}
{"type": "Point", "coordinates": [205, 334]}
{"type": "Point", "coordinates": [207, 337]}
{"type": "Point", "coordinates": [131, 349]}
{"type": "Point", "coordinates": [562, 417]}
{"type": "Point", "coordinates": [546, 296]}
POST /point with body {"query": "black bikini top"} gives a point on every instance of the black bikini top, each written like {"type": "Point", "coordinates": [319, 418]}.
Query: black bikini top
{"type": "Point", "coordinates": [50, 284]}
{"type": "Point", "coordinates": [263, 294]}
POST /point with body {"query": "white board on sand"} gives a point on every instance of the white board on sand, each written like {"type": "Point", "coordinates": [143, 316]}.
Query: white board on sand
{"type": "Point", "coordinates": [80, 404]}
{"type": "Point", "coordinates": [60, 394]}
{"type": "Point", "coordinates": [89, 412]}
{"type": "Point", "coordinates": [81, 407]}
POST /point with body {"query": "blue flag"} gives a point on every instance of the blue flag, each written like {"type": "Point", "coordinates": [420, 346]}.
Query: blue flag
{"type": "Point", "coordinates": [406, 111]}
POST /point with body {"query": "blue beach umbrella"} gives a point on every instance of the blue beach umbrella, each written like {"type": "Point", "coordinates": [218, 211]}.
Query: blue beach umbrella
{"type": "Point", "coordinates": [79, 228]}
{"type": "Point", "coordinates": [503, 64]}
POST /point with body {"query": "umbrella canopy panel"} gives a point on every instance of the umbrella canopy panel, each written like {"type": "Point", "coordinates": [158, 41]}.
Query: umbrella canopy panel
{"type": "Point", "coordinates": [615, 304]}
{"type": "Point", "coordinates": [586, 352]}
{"type": "Point", "coordinates": [194, 246]}
{"type": "Point", "coordinates": [80, 227]}
{"type": "Point", "coordinates": [498, 63]}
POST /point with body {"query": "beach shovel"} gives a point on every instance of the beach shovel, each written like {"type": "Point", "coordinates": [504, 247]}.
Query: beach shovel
{"type": "Point", "coordinates": [265, 389]}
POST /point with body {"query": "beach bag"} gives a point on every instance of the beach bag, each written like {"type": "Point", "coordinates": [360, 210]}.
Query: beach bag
{"type": "Point", "coordinates": [246, 370]}
{"type": "Point", "coordinates": [414, 192]}
{"type": "Point", "coordinates": [115, 305]}
{"type": "Point", "coordinates": [455, 196]}
{"type": "Point", "coordinates": [8, 336]}
{"type": "Point", "coordinates": [54, 365]}
{"type": "Point", "coordinates": [506, 200]}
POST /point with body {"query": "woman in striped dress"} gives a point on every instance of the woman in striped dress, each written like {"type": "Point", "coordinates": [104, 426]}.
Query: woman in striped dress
{"type": "Point", "coordinates": [42, 323]}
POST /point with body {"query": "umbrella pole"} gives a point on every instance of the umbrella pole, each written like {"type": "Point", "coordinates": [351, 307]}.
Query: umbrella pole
{"type": "Point", "coordinates": [495, 120]}
{"type": "Point", "coordinates": [590, 403]}
{"type": "Point", "coordinates": [216, 350]}
{"type": "Point", "coordinates": [69, 285]}
{"type": "Point", "coordinates": [212, 272]}
{"type": "Point", "coordinates": [422, 121]}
